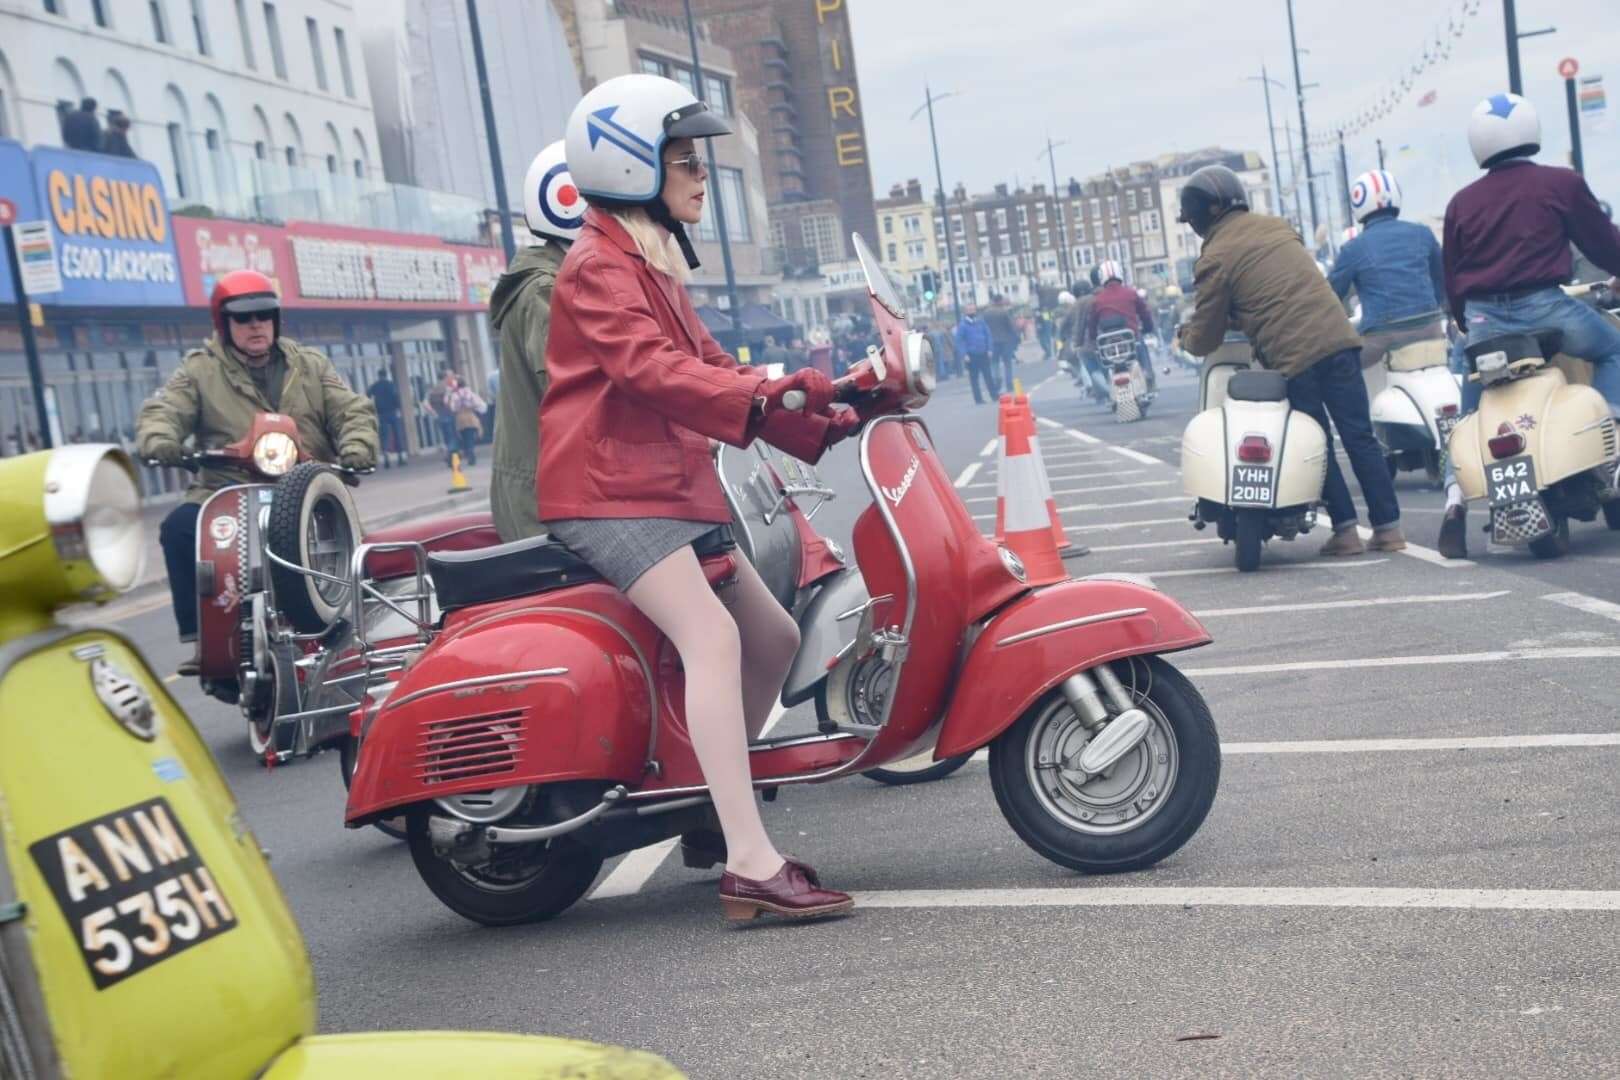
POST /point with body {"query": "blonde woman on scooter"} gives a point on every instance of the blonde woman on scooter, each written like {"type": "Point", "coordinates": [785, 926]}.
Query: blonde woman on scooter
{"type": "Point", "coordinates": [638, 389]}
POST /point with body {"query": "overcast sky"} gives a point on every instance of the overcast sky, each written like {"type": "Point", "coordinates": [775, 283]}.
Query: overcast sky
{"type": "Point", "coordinates": [1124, 81]}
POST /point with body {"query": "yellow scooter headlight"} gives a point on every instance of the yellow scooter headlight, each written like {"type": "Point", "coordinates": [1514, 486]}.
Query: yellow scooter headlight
{"type": "Point", "coordinates": [275, 453]}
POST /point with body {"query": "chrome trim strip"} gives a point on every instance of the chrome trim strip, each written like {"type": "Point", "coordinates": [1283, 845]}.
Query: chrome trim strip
{"type": "Point", "coordinates": [1070, 624]}
{"type": "Point", "coordinates": [482, 680]}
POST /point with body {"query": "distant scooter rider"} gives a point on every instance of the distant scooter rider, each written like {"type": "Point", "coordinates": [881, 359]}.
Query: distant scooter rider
{"type": "Point", "coordinates": [246, 368]}
{"type": "Point", "coordinates": [520, 309]}
{"type": "Point", "coordinates": [1507, 251]}
{"type": "Point", "coordinates": [1255, 275]}
{"type": "Point", "coordinates": [1118, 306]}
{"type": "Point", "coordinates": [1393, 266]}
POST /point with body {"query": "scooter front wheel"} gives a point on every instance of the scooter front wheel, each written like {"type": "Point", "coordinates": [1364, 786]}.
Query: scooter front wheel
{"type": "Point", "coordinates": [518, 883]}
{"type": "Point", "coordinates": [1133, 814]}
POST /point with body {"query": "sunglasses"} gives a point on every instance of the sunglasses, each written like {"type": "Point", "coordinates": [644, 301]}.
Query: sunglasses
{"type": "Point", "coordinates": [693, 163]}
{"type": "Point", "coordinates": [242, 318]}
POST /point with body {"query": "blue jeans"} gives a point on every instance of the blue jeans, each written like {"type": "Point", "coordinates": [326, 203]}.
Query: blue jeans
{"type": "Point", "coordinates": [1334, 387]}
{"type": "Point", "coordinates": [1587, 335]}
{"type": "Point", "coordinates": [178, 538]}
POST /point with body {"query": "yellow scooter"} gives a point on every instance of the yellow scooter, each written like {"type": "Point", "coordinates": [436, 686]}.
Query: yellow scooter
{"type": "Point", "coordinates": [141, 932]}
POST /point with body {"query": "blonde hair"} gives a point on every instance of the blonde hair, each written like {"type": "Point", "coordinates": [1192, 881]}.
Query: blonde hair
{"type": "Point", "coordinates": [656, 245]}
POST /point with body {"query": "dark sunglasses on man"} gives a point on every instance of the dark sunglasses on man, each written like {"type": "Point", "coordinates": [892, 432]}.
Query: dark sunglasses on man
{"type": "Point", "coordinates": [242, 318]}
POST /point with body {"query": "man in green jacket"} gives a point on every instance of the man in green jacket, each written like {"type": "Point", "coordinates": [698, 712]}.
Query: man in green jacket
{"type": "Point", "coordinates": [520, 308]}
{"type": "Point", "coordinates": [247, 368]}
{"type": "Point", "coordinates": [1254, 275]}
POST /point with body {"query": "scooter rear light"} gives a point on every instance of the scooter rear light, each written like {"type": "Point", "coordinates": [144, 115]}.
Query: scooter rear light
{"type": "Point", "coordinates": [1254, 450]}
{"type": "Point", "coordinates": [1122, 380]}
{"type": "Point", "coordinates": [1506, 442]}
{"type": "Point", "coordinates": [1449, 410]}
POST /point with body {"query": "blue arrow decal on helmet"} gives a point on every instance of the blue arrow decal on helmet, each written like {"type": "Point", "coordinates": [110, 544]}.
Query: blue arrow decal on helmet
{"type": "Point", "coordinates": [1502, 105]}
{"type": "Point", "coordinates": [600, 125]}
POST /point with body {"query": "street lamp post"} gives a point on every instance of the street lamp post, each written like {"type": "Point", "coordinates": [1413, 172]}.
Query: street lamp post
{"type": "Point", "coordinates": [1267, 82]}
{"type": "Point", "coordinates": [1062, 224]}
{"type": "Point", "coordinates": [1304, 130]}
{"type": "Point", "coordinates": [1293, 174]}
{"type": "Point", "coordinates": [1510, 26]}
{"type": "Point", "coordinates": [939, 176]}
{"type": "Point", "coordinates": [733, 308]}
{"type": "Point", "coordinates": [507, 241]}
{"type": "Point", "coordinates": [1344, 179]}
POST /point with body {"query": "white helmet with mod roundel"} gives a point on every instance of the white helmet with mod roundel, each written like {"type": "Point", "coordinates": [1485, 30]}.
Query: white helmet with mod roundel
{"type": "Point", "coordinates": [552, 205]}
{"type": "Point", "coordinates": [1374, 191]}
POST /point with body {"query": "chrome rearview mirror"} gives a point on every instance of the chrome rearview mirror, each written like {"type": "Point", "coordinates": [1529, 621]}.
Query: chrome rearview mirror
{"type": "Point", "coordinates": [877, 282]}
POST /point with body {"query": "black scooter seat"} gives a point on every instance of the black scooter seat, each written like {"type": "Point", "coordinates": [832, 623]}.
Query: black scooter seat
{"type": "Point", "coordinates": [1257, 386]}
{"type": "Point", "coordinates": [524, 568]}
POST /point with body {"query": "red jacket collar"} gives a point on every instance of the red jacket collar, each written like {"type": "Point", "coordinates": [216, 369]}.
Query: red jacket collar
{"type": "Point", "coordinates": [606, 224]}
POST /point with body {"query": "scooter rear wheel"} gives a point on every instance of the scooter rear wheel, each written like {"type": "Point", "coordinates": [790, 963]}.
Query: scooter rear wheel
{"type": "Point", "coordinates": [1251, 531]}
{"type": "Point", "coordinates": [901, 773]}
{"type": "Point", "coordinates": [1142, 809]}
{"type": "Point", "coordinates": [1611, 514]}
{"type": "Point", "coordinates": [1555, 544]}
{"type": "Point", "coordinates": [528, 883]}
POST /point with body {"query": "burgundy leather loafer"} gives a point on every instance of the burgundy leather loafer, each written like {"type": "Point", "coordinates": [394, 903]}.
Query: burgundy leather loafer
{"type": "Point", "coordinates": [794, 891]}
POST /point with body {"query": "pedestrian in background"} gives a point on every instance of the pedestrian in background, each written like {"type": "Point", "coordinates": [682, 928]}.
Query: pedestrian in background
{"type": "Point", "coordinates": [390, 421]}
{"type": "Point", "coordinates": [1003, 338]}
{"type": "Point", "coordinates": [973, 341]}
{"type": "Point", "coordinates": [116, 142]}
{"type": "Point", "coordinates": [80, 128]}
{"type": "Point", "coordinates": [773, 353]}
{"type": "Point", "coordinates": [444, 417]}
{"type": "Point", "coordinates": [467, 410]}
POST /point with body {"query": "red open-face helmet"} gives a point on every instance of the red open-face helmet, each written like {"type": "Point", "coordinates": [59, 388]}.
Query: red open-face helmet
{"type": "Point", "coordinates": [240, 292]}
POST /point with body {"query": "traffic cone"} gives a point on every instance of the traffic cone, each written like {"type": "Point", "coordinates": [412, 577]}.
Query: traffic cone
{"type": "Point", "coordinates": [1006, 419]}
{"type": "Point", "coordinates": [1027, 524]}
{"type": "Point", "coordinates": [458, 479]}
{"type": "Point", "coordinates": [1059, 536]}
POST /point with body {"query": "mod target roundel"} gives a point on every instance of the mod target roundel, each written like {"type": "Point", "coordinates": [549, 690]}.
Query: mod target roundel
{"type": "Point", "coordinates": [560, 201]}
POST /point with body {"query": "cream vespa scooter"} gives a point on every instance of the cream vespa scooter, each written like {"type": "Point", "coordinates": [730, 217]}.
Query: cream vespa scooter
{"type": "Point", "coordinates": [1541, 449]}
{"type": "Point", "coordinates": [1415, 401]}
{"type": "Point", "coordinates": [1255, 465]}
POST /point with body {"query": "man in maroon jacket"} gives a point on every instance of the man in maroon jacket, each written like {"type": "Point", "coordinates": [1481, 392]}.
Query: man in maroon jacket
{"type": "Point", "coordinates": [1120, 305]}
{"type": "Point", "coordinates": [1507, 251]}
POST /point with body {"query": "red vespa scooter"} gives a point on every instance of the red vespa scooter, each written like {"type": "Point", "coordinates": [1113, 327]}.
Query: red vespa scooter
{"type": "Point", "coordinates": [540, 731]}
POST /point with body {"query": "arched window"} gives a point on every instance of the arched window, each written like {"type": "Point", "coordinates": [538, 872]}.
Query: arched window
{"type": "Point", "coordinates": [177, 130]}
{"type": "Point", "coordinates": [295, 141]}
{"type": "Point", "coordinates": [115, 97]}
{"type": "Point", "coordinates": [10, 118]}
{"type": "Point", "coordinates": [334, 150]}
{"type": "Point", "coordinates": [67, 89]}
{"type": "Point", "coordinates": [221, 166]}
{"type": "Point", "coordinates": [362, 161]}
{"type": "Point", "coordinates": [264, 143]}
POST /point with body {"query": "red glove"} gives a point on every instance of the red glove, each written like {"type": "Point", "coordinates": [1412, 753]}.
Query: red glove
{"type": "Point", "coordinates": [816, 387]}
{"type": "Point", "coordinates": [842, 422]}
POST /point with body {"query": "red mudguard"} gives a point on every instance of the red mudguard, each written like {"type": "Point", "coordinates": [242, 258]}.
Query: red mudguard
{"type": "Point", "coordinates": [1010, 666]}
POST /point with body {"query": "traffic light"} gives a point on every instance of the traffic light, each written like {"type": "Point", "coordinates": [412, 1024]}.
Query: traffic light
{"type": "Point", "coordinates": [930, 284]}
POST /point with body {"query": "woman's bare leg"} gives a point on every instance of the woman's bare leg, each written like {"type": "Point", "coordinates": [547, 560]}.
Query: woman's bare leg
{"type": "Point", "coordinates": [676, 596]}
{"type": "Point", "coordinates": [770, 641]}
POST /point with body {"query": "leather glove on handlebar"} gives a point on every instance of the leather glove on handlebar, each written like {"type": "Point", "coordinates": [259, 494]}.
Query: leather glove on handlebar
{"type": "Point", "coordinates": [842, 422]}
{"type": "Point", "coordinates": [818, 390]}
{"type": "Point", "coordinates": [356, 459]}
{"type": "Point", "coordinates": [166, 452]}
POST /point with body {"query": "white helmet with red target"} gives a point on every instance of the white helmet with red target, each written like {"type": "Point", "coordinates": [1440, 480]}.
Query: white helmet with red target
{"type": "Point", "coordinates": [552, 205]}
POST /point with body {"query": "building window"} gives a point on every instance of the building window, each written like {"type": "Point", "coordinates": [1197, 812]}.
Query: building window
{"type": "Point", "coordinates": [343, 60]}
{"type": "Point", "coordinates": [315, 52]}
{"type": "Point", "coordinates": [51, 8]}
{"type": "Point", "coordinates": [1154, 222]}
{"type": "Point", "coordinates": [1130, 199]}
{"type": "Point", "coordinates": [199, 27]}
{"type": "Point", "coordinates": [916, 250]}
{"type": "Point", "coordinates": [735, 202]}
{"type": "Point", "coordinates": [260, 151]}
{"type": "Point", "coordinates": [1001, 217]}
{"type": "Point", "coordinates": [1096, 208]}
{"type": "Point", "coordinates": [913, 225]}
{"type": "Point", "coordinates": [1082, 258]}
{"type": "Point", "coordinates": [683, 75]}
{"type": "Point", "coordinates": [1023, 215]}
{"type": "Point", "coordinates": [1136, 225]}
{"type": "Point", "coordinates": [98, 11]}
{"type": "Point", "coordinates": [177, 154]}
{"type": "Point", "coordinates": [778, 235]}
{"type": "Point", "coordinates": [1029, 243]}
{"type": "Point", "coordinates": [820, 233]}
{"type": "Point", "coordinates": [982, 221]}
{"type": "Point", "coordinates": [961, 250]}
{"type": "Point", "coordinates": [272, 26]}
{"type": "Point", "coordinates": [894, 254]}
{"type": "Point", "coordinates": [888, 225]}
{"type": "Point", "coordinates": [247, 35]}
{"type": "Point", "coordinates": [331, 164]}
{"type": "Point", "coordinates": [651, 65]}
{"type": "Point", "coordinates": [292, 157]}
{"type": "Point", "coordinates": [989, 269]}
{"type": "Point", "coordinates": [359, 169]}
{"type": "Point", "coordinates": [1040, 214]}
{"type": "Point", "coordinates": [958, 228]}
{"type": "Point", "coordinates": [1113, 206]}
{"type": "Point", "coordinates": [1003, 243]}
{"type": "Point", "coordinates": [964, 274]}
{"type": "Point", "coordinates": [1046, 238]}
{"type": "Point", "coordinates": [1080, 232]}
{"type": "Point", "coordinates": [717, 92]}
{"type": "Point", "coordinates": [160, 25]}
{"type": "Point", "coordinates": [1029, 262]}
{"type": "Point", "coordinates": [940, 250]}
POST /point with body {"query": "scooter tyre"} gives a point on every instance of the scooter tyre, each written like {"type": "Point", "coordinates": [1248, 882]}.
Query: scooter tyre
{"type": "Point", "coordinates": [902, 777]}
{"type": "Point", "coordinates": [1611, 514]}
{"type": "Point", "coordinates": [297, 497]}
{"type": "Point", "coordinates": [1251, 531]}
{"type": "Point", "coordinates": [558, 885]}
{"type": "Point", "coordinates": [348, 752]}
{"type": "Point", "coordinates": [1162, 834]}
{"type": "Point", "coordinates": [1555, 544]}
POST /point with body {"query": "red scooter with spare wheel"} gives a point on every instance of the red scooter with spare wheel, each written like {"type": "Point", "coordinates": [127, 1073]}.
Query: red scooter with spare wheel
{"type": "Point", "coordinates": [539, 728]}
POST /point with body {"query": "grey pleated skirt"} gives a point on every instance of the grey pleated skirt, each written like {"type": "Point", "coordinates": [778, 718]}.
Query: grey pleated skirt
{"type": "Point", "coordinates": [622, 549]}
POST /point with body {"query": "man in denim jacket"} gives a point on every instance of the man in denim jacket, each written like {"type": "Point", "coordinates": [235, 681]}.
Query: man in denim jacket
{"type": "Point", "coordinates": [1394, 267]}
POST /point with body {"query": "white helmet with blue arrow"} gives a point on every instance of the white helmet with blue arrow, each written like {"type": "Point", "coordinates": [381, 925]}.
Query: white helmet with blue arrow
{"type": "Point", "coordinates": [616, 137]}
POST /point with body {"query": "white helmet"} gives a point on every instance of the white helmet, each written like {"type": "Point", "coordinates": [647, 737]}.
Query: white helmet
{"type": "Point", "coordinates": [617, 132]}
{"type": "Point", "coordinates": [1503, 126]}
{"type": "Point", "coordinates": [551, 203]}
{"type": "Point", "coordinates": [1109, 270]}
{"type": "Point", "coordinates": [1065, 298]}
{"type": "Point", "coordinates": [1374, 191]}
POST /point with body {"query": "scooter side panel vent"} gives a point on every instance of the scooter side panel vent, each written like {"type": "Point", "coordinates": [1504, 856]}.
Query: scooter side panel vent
{"type": "Point", "coordinates": [1611, 439]}
{"type": "Point", "coordinates": [471, 746]}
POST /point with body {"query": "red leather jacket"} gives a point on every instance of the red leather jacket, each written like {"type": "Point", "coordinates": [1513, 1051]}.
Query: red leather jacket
{"type": "Point", "coordinates": [1123, 301]}
{"type": "Point", "coordinates": [637, 388]}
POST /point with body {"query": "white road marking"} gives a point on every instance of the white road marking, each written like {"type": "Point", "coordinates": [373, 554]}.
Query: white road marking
{"type": "Point", "coordinates": [1589, 604]}
{"type": "Point", "coordinates": [1317, 564]}
{"type": "Point", "coordinates": [1085, 490]}
{"type": "Point", "coordinates": [1471, 742]}
{"type": "Point", "coordinates": [1227, 896]}
{"type": "Point", "coordinates": [1082, 436]}
{"type": "Point", "coordinates": [989, 447]}
{"type": "Point", "coordinates": [1109, 526]}
{"type": "Point", "coordinates": [968, 474]}
{"type": "Point", "coordinates": [1042, 384]}
{"type": "Point", "coordinates": [1158, 544]}
{"type": "Point", "coordinates": [1428, 555]}
{"type": "Point", "coordinates": [1044, 422]}
{"type": "Point", "coordinates": [1501, 656]}
{"type": "Point", "coordinates": [114, 613]}
{"type": "Point", "coordinates": [1086, 507]}
{"type": "Point", "coordinates": [1136, 455]}
{"type": "Point", "coordinates": [1332, 605]}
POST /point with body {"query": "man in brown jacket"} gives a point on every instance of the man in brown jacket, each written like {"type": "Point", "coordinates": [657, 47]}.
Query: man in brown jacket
{"type": "Point", "coordinates": [1255, 276]}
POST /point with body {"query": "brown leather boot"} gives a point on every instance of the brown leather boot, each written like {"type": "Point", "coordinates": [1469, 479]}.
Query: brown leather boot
{"type": "Point", "coordinates": [1389, 538]}
{"type": "Point", "coordinates": [1454, 532]}
{"type": "Point", "coordinates": [192, 665]}
{"type": "Point", "coordinates": [1346, 541]}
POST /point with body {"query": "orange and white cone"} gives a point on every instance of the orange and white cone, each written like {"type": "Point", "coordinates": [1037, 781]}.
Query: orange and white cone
{"type": "Point", "coordinates": [1026, 526]}
{"type": "Point", "coordinates": [1005, 421]}
{"type": "Point", "coordinates": [1027, 415]}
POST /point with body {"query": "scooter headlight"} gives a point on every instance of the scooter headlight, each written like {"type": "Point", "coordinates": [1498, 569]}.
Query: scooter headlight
{"type": "Point", "coordinates": [275, 453]}
{"type": "Point", "coordinates": [93, 510]}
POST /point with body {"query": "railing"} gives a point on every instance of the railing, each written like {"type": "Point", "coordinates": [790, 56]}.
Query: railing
{"type": "Point", "coordinates": [272, 192]}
